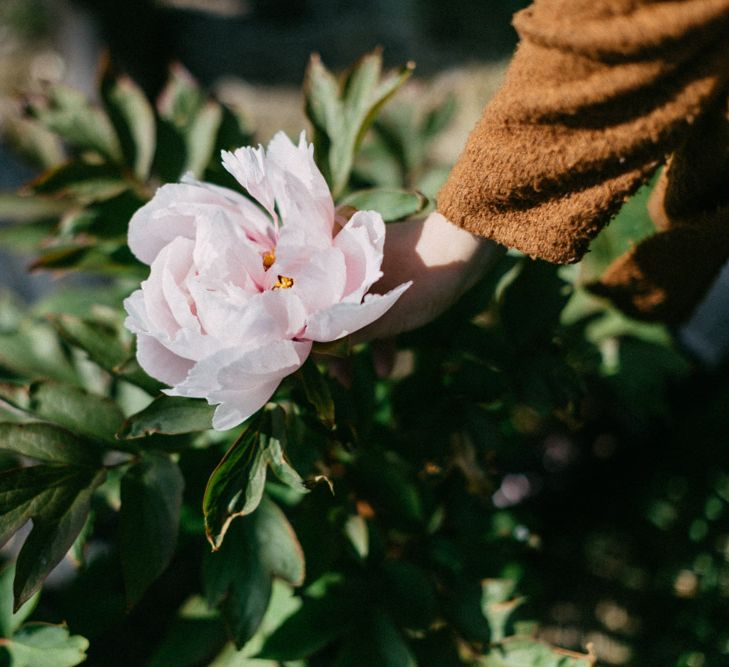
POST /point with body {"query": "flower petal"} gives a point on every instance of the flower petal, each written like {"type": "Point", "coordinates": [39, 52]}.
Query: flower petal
{"type": "Point", "coordinates": [248, 166]}
{"type": "Point", "coordinates": [343, 319]}
{"type": "Point", "coordinates": [161, 363]}
{"type": "Point", "coordinates": [173, 212]}
{"type": "Point", "coordinates": [362, 241]}
{"type": "Point", "coordinates": [242, 381]}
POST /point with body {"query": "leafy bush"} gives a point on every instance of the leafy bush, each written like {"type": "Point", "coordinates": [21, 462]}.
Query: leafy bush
{"type": "Point", "coordinates": [534, 455]}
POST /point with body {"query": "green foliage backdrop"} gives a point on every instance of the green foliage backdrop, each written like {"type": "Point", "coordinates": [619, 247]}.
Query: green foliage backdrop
{"type": "Point", "coordinates": [539, 481]}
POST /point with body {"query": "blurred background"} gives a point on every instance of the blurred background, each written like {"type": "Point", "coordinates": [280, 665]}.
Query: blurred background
{"type": "Point", "coordinates": [252, 54]}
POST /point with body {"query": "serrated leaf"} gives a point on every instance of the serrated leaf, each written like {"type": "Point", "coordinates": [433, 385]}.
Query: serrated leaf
{"type": "Point", "coordinates": [10, 621]}
{"type": "Point", "coordinates": [238, 576]}
{"type": "Point", "coordinates": [151, 497]}
{"type": "Point", "coordinates": [169, 415]}
{"type": "Point", "coordinates": [41, 645]}
{"type": "Point", "coordinates": [133, 119]}
{"type": "Point", "coordinates": [392, 204]}
{"type": "Point", "coordinates": [69, 113]}
{"type": "Point", "coordinates": [79, 411]}
{"type": "Point", "coordinates": [57, 499]}
{"type": "Point", "coordinates": [46, 443]}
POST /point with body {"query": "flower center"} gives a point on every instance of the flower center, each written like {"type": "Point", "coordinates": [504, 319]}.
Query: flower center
{"type": "Point", "coordinates": [283, 282]}
{"type": "Point", "coordinates": [269, 257]}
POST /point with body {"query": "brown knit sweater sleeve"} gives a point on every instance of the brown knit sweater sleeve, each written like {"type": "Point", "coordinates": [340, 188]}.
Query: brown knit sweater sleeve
{"type": "Point", "coordinates": [598, 95]}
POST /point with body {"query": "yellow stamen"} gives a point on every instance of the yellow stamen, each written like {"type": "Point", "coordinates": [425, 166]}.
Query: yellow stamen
{"type": "Point", "coordinates": [269, 257]}
{"type": "Point", "coordinates": [283, 282]}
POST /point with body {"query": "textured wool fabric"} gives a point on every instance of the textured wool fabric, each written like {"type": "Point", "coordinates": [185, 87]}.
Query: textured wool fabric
{"type": "Point", "coordinates": [599, 94]}
{"type": "Point", "coordinates": [665, 276]}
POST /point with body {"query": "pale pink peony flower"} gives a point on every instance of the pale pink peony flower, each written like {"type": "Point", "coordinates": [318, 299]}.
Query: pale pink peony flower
{"type": "Point", "coordinates": [237, 292]}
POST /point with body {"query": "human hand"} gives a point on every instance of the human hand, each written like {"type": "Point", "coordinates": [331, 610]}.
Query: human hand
{"type": "Point", "coordinates": [442, 260]}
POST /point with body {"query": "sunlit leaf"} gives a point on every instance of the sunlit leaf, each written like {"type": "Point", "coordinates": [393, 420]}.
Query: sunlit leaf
{"type": "Point", "coordinates": [41, 645]}
{"type": "Point", "coordinates": [391, 204]}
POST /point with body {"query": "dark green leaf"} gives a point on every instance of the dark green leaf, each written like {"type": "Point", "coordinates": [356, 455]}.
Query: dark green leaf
{"type": "Point", "coordinates": [151, 496]}
{"type": "Point", "coordinates": [77, 410]}
{"type": "Point", "coordinates": [238, 575]}
{"type": "Point", "coordinates": [532, 303]}
{"type": "Point", "coordinates": [47, 443]}
{"type": "Point", "coordinates": [84, 181]}
{"type": "Point", "coordinates": [98, 340]}
{"type": "Point", "coordinates": [391, 204]}
{"type": "Point", "coordinates": [57, 499]}
{"type": "Point", "coordinates": [133, 120]}
{"type": "Point", "coordinates": [375, 642]}
{"type": "Point", "coordinates": [236, 486]}
{"type": "Point", "coordinates": [169, 415]}
{"type": "Point", "coordinates": [41, 645]}
{"type": "Point", "coordinates": [320, 620]}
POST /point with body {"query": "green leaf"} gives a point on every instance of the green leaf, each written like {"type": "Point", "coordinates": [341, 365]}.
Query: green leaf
{"type": "Point", "coordinates": [77, 410]}
{"type": "Point", "coordinates": [316, 389]}
{"type": "Point", "coordinates": [83, 181]}
{"type": "Point", "coordinates": [324, 616]}
{"type": "Point", "coordinates": [25, 208]}
{"type": "Point", "coordinates": [375, 642]}
{"type": "Point", "coordinates": [133, 119]}
{"type": "Point", "coordinates": [239, 575]}
{"type": "Point", "coordinates": [34, 351]}
{"type": "Point", "coordinates": [169, 415]}
{"type": "Point", "coordinates": [236, 485]}
{"type": "Point", "coordinates": [10, 621]}
{"type": "Point", "coordinates": [342, 112]}
{"type": "Point", "coordinates": [194, 635]}
{"type": "Point", "coordinates": [498, 606]}
{"type": "Point", "coordinates": [46, 443]}
{"type": "Point", "coordinates": [390, 203]}
{"type": "Point", "coordinates": [201, 137]}
{"type": "Point", "coordinates": [41, 645]}
{"type": "Point", "coordinates": [57, 499]}
{"type": "Point", "coordinates": [98, 340]}
{"type": "Point", "coordinates": [69, 113]}
{"type": "Point", "coordinates": [181, 98]}
{"type": "Point", "coordinates": [30, 139]}
{"type": "Point", "coordinates": [151, 497]}
{"type": "Point", "coordinates": [531, 304]}
{"type": "Point", "coordinates": [517, 652]}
